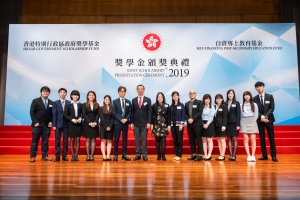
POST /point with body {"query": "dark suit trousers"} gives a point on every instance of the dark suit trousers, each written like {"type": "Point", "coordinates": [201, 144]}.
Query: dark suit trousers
{"type": "Point", "coordinates": [58, 132]}
{"type": "Point", "coordinates": [37, 132]}
{"type": "Point", "coordinates": [262, 137]}
{"type": "Point", "coordinates": [194, 133]}
{"type": "Point", "coordinates": [140, 133]}
{"type": "Point", "coordinates": [177, 140]}
{"type": "Point", "coordinates": [117, 132]}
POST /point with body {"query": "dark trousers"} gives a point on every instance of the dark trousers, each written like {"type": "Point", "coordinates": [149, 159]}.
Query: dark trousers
{"type": "Point", "coordinates": [58, 132]}
{"type": "Point", "coordinates": [195, 134]}
{"type": "Point", "coordinates": [177, 140]}
{"type": "Point", "coordinates": [262, 137]}
{"type": "Point", "coordinates": [37, 132]}
{"type": "Point", "coordinates": [140, 133]}
{"type": "Point", "coordinates": [117, 132]}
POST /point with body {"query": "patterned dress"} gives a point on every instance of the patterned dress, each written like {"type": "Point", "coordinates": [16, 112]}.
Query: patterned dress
{"type": "Point", "coordinates": [160, 120]}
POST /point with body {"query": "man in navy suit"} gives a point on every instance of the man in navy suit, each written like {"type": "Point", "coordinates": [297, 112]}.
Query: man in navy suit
{"type": "Point", "coordinates": [266, 105]}
{"type": "Point", "coordinates": [121, 112]}
{"type": "Point", "coordinates": [41, 117]}
{"type": "Point", "coordinates": [60, 124]}
{"type": "Point", "coordinates": [140, 121]}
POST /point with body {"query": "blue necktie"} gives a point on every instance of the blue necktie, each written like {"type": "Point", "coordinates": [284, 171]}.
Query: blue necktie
{"type": "Point", "coordinates": [45, 103]}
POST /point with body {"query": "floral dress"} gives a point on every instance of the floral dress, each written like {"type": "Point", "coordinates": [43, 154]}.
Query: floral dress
{"type": "Point", "coordinates": [160, 120]}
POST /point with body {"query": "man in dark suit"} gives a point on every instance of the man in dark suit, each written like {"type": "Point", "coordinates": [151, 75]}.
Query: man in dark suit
{"type": "Point", "coordinates": [121, 112]}
{"type": "Point", "coordinates": [266, 105]}
{"type": "Point", "coordinates": [60, 124]}
{"type": "Point", "coordinates": [41, 116]}
{"type": "Point", "coordinates": [140, 121]}
{"type": "Point", "coordinates": [193, 116]}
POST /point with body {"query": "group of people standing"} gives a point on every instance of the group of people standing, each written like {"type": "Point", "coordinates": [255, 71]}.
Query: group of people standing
{"type": "Point", "coordinates": [203, 121]}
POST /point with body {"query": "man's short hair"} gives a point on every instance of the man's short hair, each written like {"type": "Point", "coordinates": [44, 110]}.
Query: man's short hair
{"type": "Point", "coordinates": [122, 87]}
{"type": "Point", "coordinates": [259, 83]}
{"type": "Point", "coordinates": [64, 89]}
{"type": "Point", "coordinates": [45, 88]}
{"type": "Point", "coordinates": [140, 85]}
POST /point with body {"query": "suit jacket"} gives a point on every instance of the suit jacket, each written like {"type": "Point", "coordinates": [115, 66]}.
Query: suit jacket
{"type": "Point", "coordinates": [117, 111]}
{"type": "Point", "coordinates": [220, 118]}
{"type": "Point", "coordinates": [58, 114]}
{"type": "Point", "coordinates": [106, 119]}
{"type": "Point", "coordinates": [269, 107]}
{"type": "Point", "coordinates": [234, 113]}
{"type": "Point", "coordinates": [69, 112]}
{"type": "Point", "coordinates": [38, 112]}
{"type": "Point", "coordinates": [141, 116]}
{"type": "Point", "coordinates": [90, 115]}
{"type": "Point", "coordinates": [196, 112]}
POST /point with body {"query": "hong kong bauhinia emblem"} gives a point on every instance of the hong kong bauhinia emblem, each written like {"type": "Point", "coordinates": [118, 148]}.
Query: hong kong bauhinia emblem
{"type": "Point", "coordinates": [151, 42]}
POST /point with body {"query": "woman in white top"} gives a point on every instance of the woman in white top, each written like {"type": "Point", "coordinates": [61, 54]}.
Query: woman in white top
{"type": "Point", "coordinates": [208, 129]}
{"type": "Point", "coordinates": [249, 114]}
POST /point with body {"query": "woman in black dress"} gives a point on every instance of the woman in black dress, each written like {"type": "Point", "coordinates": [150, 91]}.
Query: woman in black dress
{"type": "Point", "coordinates": [233, 123]}
{"type": "Point", "coordinates": [220, 121]}
{"type": "Point", "coordinates": [73, 113]}
{"type": "Point", "coordinates": [90, 112]}
{"type": "Point", "coordinates": [106, 127]}
{"type": "Point", "coordinates": [160, 124]}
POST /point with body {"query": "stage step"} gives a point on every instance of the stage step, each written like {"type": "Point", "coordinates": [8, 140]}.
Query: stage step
{"type": "Point", "coordinates": [17, 140]}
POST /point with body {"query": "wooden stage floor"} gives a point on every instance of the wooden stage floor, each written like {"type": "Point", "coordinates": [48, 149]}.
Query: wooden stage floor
{"type": "Point", "coordinates": [20, 179]}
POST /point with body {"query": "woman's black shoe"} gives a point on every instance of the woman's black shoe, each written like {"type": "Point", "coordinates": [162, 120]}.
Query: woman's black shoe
{"type": "Point", "coordinates": [158, 156]}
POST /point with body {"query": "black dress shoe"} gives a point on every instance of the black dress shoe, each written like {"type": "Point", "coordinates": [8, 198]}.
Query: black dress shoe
{"type": "Point", "coordinates": [92, 158]}
{"type": "Point", "coordinates": [274, 159]}
{"type": "Point", "coordinates": [198, 158]}
{"type": "Point", "coordinates": [193, 157]}
{"type": "Point", "coordinates": [73, 158]}
{"type": "Point", "coordinates": [57, 159]}
{"type": "Point", "coordinates": [145, 158]}
{"type": "Point", "coordinates": [64, 158]}
{"type": "Point", "coordinates": [87, 158]}
{"type": "Point", "coordinates": [137, 158]}
{"type": "Point", "coordinates": [163, 157]}
{"type": "Point", "coordinates": [158, 156]}
{"type": "Point", "coordinates": [125, 158]}
{"type": "Point", "coordinates": [263, 158]}
{"type": "Point", "coordinates": [76, 158]}
{"type": "Point", "coordinates": [233, 158]}
{"type": "Point", "coordinates": [220, 159]}
{"type": "Point", "coordinates": [115, 159]}
{"type": "Point", "coordinates": [206, 159]}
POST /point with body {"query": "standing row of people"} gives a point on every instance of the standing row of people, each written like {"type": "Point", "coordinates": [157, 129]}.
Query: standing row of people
{"type": "Point", "coordinates": [203, 122]}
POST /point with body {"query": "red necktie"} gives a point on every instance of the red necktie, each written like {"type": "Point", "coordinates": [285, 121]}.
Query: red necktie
{"type": "Point", "coordinates": [140, 102]}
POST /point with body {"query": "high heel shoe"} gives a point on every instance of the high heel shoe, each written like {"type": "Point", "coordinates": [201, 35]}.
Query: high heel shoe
{"type": "Point", "coordinates": [91, 157]}
{"type": "Point", "coordinates": [76, 158]}
{"type": "Point", "coordinates": [87, 158]}
{"type": "Point", "coordinates": [73, 158]}
{"type": "Point", "coordinates": [163, 157]}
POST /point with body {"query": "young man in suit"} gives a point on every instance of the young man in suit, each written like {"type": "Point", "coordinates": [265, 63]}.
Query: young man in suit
{"type": "Point", "coordinates": [41, 116]}
{"type": "Point", "coordinates": [265, 119]}
{"type": "Point", "coordinates": [140, 121]}
{"type": "Point", "coordinates": [121, 112]}
{"type": "Point", "coordinates": [193, 116]}
{"type": "Point", "coordinates": [60, 124]}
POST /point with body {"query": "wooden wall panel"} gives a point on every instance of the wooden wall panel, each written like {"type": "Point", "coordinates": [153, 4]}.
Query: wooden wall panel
{"type": "Point", "coordinates": [220, 18]}
{"type": "Point", "coordinates": [261, 18]}
{"type": "Point", "coordinates": [138, 11]}
{"type": "Point", "coordinates": [81, 19]}
{"type": "Point", "coordinates": [36, 19]}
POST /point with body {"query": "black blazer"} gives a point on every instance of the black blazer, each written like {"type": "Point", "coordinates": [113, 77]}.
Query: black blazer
{"type": "Point", "coordinates": [117, 111]}
{"type": "Point", "coordinates": [69, 112]}
{"type": "Point", "coordinates": [269, 107]}
{"type": "Point", "coordinates": [196, 112]}
{"type": "Point", "coordinates": [90, 115]}
{"type": "Point", "coordinates": [141, 116]}
{"type": "Point", "coordinates": [167, 114]}
{"type": "Point", "coordinates": [220, 118]}
{"type": "Point", "coordinates": [38, 112]}
{"type": "Point", "coordinates": [234, 113]}
{"type": "Point", "coordinates": [106, 119]}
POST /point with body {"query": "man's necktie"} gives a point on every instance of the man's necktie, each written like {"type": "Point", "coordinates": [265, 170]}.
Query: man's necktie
{"type": "Point", "coordinates": [262, 103]}
{"type": "Point", "coordinates": [45, 103]}
{"type": "Point", "coordinates": [140, 102]}
{"type": "Point", "coordinates": [123, 108]}
{"type": "Point", "coordinates": [63, 105]}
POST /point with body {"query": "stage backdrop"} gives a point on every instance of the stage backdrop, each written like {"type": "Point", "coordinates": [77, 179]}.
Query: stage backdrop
{"type": "Point", "coordinates": [210, 58]}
